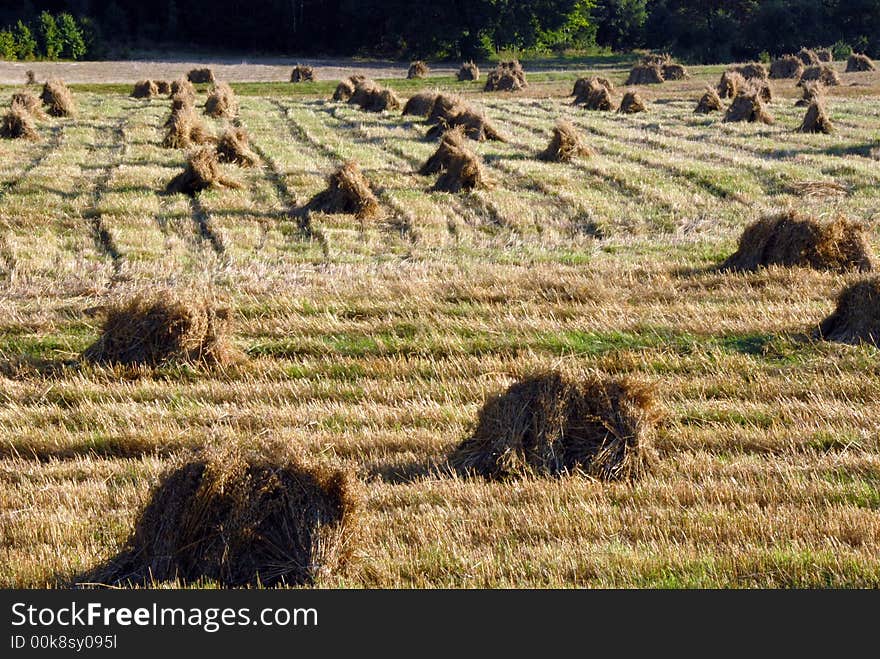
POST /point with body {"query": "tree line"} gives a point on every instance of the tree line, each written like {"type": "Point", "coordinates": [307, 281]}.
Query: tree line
{"type": "Point", "coordinates": [693, 30]}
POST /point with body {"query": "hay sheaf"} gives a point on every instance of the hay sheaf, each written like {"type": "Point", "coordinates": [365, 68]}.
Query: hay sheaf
{"type": "Point", "coordinates": [155, 328]}
{"type": "Point", "coordinates": [163, 87]}
{"type": "Point", "coordinates": [825, 55]}
{"type": "Point", "coordinates": [348, 191]}
{"type": "Point", "coordinates": [657, 59]}
{"type": "Point", "coordinates": [730, 84]}
{"type": "Point", "coordinates": [183, 89]}
{"type": "Point", "coordinates": [58, 99]}
{"type": "Point", "coordinates": [234, 147]}
{"type": "Point", "coordinates": [28, 103]}
{"type": "Point", "coordinates": [475, 125]}
{"type": "Point", "coordinates": [857, 62]}
{"type": "Point", "coordinates": [240, 519]}
{"type": "Point", "coordinates": [816, 120]}
{"type": "Point", "coordinates": [808, 57]}
{"type": "Point", "coordinates": [444, 108]}
{"type": "Point", "coordinates": [673, 71]}
{"type": "Point", "coordinates": [761, 88]}
{"type": "Point", "coordinates": [18, 124]}
{"type": "Point", "coordinates": [221, 102]}
{"type": "Point", "coordinates": [786, 67]}
{"type": "Point", "coordinates": [822, 73]}
{"type": "Point", "coordinates": [632, 103]}
{"type": "Point", "coordinates": [184, 129]}
{"type": "Point", "coordinates": [421, 104]}
{"type": "Point", "coordinates": [748, 106]}
{"type": "Point", "coordinates": [370, 97]}
{"type": "Point", "coordinates": [595, 96]}
{"type": "Point", "coordinates": [468, 72]}
{"type": "Point", "coordinates": [346, 88]}
{"type": "Point", "coordinates": [811, 91]}
{"type": "Point", "coordinates": [507, 76]}
{"type": "Point", "coordinates": [417, 69]}
{"type": "Point", "coordinates": [30, 78]}
{"type": "Point", "coordinates": [582, 87]}
{"type": "Point", "coordinates": [791, 239]}
{"type": "Point", "coordinates": [202, 171]}
{"type": "Point", "coordinates": [458, 166]}
{"type": "Point", "coordinates": [856, 317]}
{"type": "Point", "coordinates": [753, 71]}
{"type": "Point", "coordinates": [552, 423]}
{"type": "Point", "coordinates": [645, 74]}
{"type": "Point", "coordinates": [565, 145]}
{"type": "Point", "coordinates": [201, 76]}
{"type": "Point", "coordinates": [710, 101]}
{"type": "Point", "coordinates": [303, 73]}
{"type": "Point", "coordinates": [145, 89]}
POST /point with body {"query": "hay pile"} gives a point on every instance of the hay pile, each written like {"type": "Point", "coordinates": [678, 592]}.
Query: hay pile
{"type": "Point", "coordinates": [233, 147]}
{"type": "Point", "coordinates": [204, 76]}
{"type": "Point", "coordinates": [595, 97]}
{"type": "Point", "coordinates": [57, 98]}
{"type": "Point", "coordinates": [762, 88]}
{"type": "Point", "coordinates": [421, 104]}
{"type": "Point", "coordinates": [458, 166]}
{"type": "Point", "coordinates": [673, 71]}
{"type": "Point", "coordinates": [657, 59]}
{"type": "Point", "coordinates": [552, 423]}
{"type": "Point", "coordinates": [507, 76]}
{"type": "Point", "coordinates": [786, 67]}
{"type": "Point", "coordinates": [812, 91]}
{"type": "Point", "coordinates": [30, 78]}
{"type": "Point", "coordinates": [730, 84]}
{"type": "Point", "coordinates": [791, 239]}
{"type": "Point", "coordinates": [345, 89]}
{"type": "Point", "coordinates": [202, 171]}
{"type": "Point", "coordinates": [710, 101]}
{"type": "Point", "coordinates": [183, 90]}
{"type": "Point", "coordinates": [858, 62]}
{"type": "Point", "coordinates": [825, 55]}
{"type": "Point", "coordinates": [184, 128]}
{"type": "Point", "coordinates": [163, 87]}
{"type": "Point", "coordinates": [370, 97]}
{"type": "Point", "coordinates": [302, 73]}
{"type": "Point", "coordinates": [475, 125]}
{"type": "Point", "coordinates": [565, 145]}
{"type": "Point", "coordinates": [155, 328]}
{"type": "Point", "coordinates": [645, 74]}
{"type": "Point", "coordinates": [240, 520]}
{"type": "Point", "coordinates": [822, 73]}
{"type": "Point", "coordinates": [753, 71]}
{"type": "Point", "coordinates": [27, 103]}
{"type": "Point", "coordinates": [221, 102]}
{"type": "Point", "coordinates": [348, 191]}
{"type": "Point", "coordinates": [417, 69]}
{"type": "Point", "coordinates": [856, 318]}
{"type": "Point", "coordinates": [444, 108]}
{"type": "Point", "coordinates": [18, 124]}
{"type": "Point", "coordinates": [808, 57]}
{"type": "Point", "coordinates": [632, 103]}
{"type": "Point", "coordinates": [748, 106]}
{"type": "Point", "coordinates": [582, 87]}
{"type": "Point", "coordinates": [816, 120]}
{"type": "Point", "coordinates": [145, 89]}
{"type": "Point", "coordinates": [468, 72]}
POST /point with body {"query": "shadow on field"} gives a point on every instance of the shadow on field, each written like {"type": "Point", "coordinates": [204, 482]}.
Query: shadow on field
{"type": "Point", "coordinates": [408, 472]}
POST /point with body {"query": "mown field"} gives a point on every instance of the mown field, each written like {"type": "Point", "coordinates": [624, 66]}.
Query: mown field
{"type": "Point", "coordinates": [374, 343]}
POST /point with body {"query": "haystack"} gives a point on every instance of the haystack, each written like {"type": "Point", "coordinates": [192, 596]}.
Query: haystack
{"type": "Point", "coordinates": [233, 147]}
{"type": "Point", "coordinates": [452, 140]}
{"type": "Point", "coordinates": [30, 78]}
{"type": "Point", "coordinates": [417, 69]}
{"type": "Point", "coordinates": [657, 59]}
{"type": "Point", "coordinates": [762, 89]}
{"type": "Point", "coordinates": [303, 73]}
{"type": "Point", "coordinates": [632, 103]}
{"type": "Point", "coordinates": [203, 76]}
{"type": "Point", "coordinates": [674, 71]}
{"type": "Point", "coordinates": [710, 101]}
{"type": "Point", "coordinates": [145, 89]}
{"type": "Point", "coordinates": [158, 327]}
{"type": "Point", "coordinates": [475, 125]}
{"type": "Point", "coordinates": [458, 166]}
{"type": "Point", "coordinates": [858, 62]}
{"type": "Point", "coordinates": [163, 87]}
{"type": "Point", "coordinates": [645, 74]}
{"type": "Point", "coordinates": [346, 88]}
{"type": "Point", "coordinates": [825, 55]}
{"type": "Point", "coordinates": [552, 423]}
{"type": "Point", "coordinates": [582, 87]}
{"type": "Point", "coordinates": [421, 104]}
{"type": "Point", "coordinates": [811, 91]}
{"type": "Point", "coordinates": [753, 71]}
{"type": "Point", "coordinates": [748, 106]}
{"type": "Point", "coordinates": [28, 103]}
{"type": "Point", "coordinates": [18, 124]}
{"type": "Point", "coordinates": [468, 72]}
{"type": "Point", "coordinates": [730, 84]}
{"type": "Point", "coordinates": [856, 319]}
{"type": "Point", "coordinates": [184, 90]}
{"type": "Point", "coordinates": [786, 67]}
{"type": "Point", "coordinates": [816, 119]}
{"type": "Point", "coordinates": [221, 102]}
{"type": "Point", "coordinates": [596, 97]}
{"type": "Point", "coordinates": [185, 128]}
{"type": "Point", "coordinates": [348, 191]}
{"type": "Point", "coordinates": [238, 520]}
{"type": "Point", "coordinates": [57, 98]}
{"type": "Point", "coordinates": [507, 76]}
{"type": "Point", "coordinates": [822, 73]}
{"type": "Point", "coordinates": [202, 171]}
{"type": "Point", "coordinates": [791, 239]}
{"type": "Point", "coordinates": [444, 108]}
{"type": "Point", "coordinates": [370, 97]}
{"type": "Point", "coordinates": [808, 57]}
{"type": "Point", "coordinates": [565, 145]}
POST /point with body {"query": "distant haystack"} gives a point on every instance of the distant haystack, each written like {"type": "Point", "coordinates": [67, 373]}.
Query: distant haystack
{"type": "Point", "coordinates": [730, 84]}
{"type": "Point", "coordinates": [30, 77]}
{"type": "Point", "coordinates": [346, 88]}
{"type": "Point", "coordinates": [474, 124]}
{"type": "Point", "coordinates": [645, 74]}
{"type": "Point", "coordinates": [370, 97]}
{"type": "Point", "coordinates": [632, 103]}
{"type": "Point", "coordinates": [858, 62]}
{"type": "Point", "coordinates": [303, 73]}
{"type": "Point", "coordinates": [748, 106]}
{"type": "Point", "coordinates": [808, 57]}
{"type": "Point", "coordinates": [582, 87]}
{"type": "Point", "coordinates": [418, 69]}
{"type": "Point", "coordinates": [595, 96]}
{"type": "Point", "coordinates": [709, 102]}
{"type": "Point", "coordinates": [183, 92]}
{"type": "Point", "coordinates": [468, 72]}
{"type": "Point", "coordinates": [822, 73]}
{"type": "Point", "coordinates": [787, 67]}
{"type": "Point", "coordinates": [184, 129]}
{"type": "Point", "coordinates": [58, 99]}
{"type": "Point", "coordinates": [145, 89]}
{"type": "Point", "coordinates": [565, 145]}
{"type": "Point", "coordinates": [444, 108]}
{"type": "Point", "coordinates": [811, 91]}
{"type": "Point", "coordinates": [825, 55]}
{"type": "Point", "coordinates": [753, 71]}
{"type": "Point", "coordinates": [163, 87]}
{"type": "Point", "coordinates": [673, 71]}
{"type": "Point", "coordinates": [507, 76]}
{"type": "Point", "coordinates": [201, 76]}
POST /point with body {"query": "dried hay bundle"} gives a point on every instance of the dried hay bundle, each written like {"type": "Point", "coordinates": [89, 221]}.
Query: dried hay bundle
{"type": "Point", "coordinates": [163, 87]}
{"type": "Point", "coordinates": [748, 106]}
{"type": "Point", "coordinates": [645, 74]}
{"type": "Point", "coordinates": [808, 57]}
{"type": "Point", "coordinates": [346, 88]}
{"type": "Point", "coordinates": [786, 67]}
{"type": "Point", "coordinates": [458, 166]}
{"type": "Point", "coordinates": [790, 239]}
{"type": "Point", "coordinates": [202, 171]}
{"type": "Point", "coordinates": [185, 128]}
{"type": "Point", "coordinates": [153, 328]}
{"type": "Point", "coordinates": [825, 55]}
{"type": "Point", "coordinates": [730, 84]}
{"type": "Point", "coordinates": [453, 139]}
{"type": "Point", "coordinates": [553, 423]}
{"type": "Point", "coordinates": [565, 145]}
{"type": "Point", "coordinates": [597, 98]}
{"type": "Point", "coordinates": [753, 71]}
{"type": "Point", "coordinates": [221, 102]}
{"type": "Point", "coordinates": [822, 73]}
{"type": "Point", "coordinates": [348, 191]}
{"type": "Point", "coordinates": [145, 89]}
{"type": "Point", "coordinates": [761, 88]}
{"type": "Point", "coordinates": [240, 519]}
{"type": "Point", "coordinates": [710, 101]}
{"type": "Point", "coordinates": [27, 103]}
{"type": "Point", "coordinates": [303, 73]}
{"type": "Point", "coordinates": [201, 76]}
{"type": "Point", "coordinates": [857, 62]}
{"type": "Point", "coordinates": [420, 104]}
{"type": "Point", "coordinates": [183, 89]}
{"type": "Point", "coordinates": [856, 318]}
{"type": "Point", "coordinates": [233, 147]}
{"type": "Point", "coordinates": [474, 124]}
{"type": "Point", "coordinates": [632, 103]}
{"type": "Point", "coordinates": [57, 98]}
{"type": "Point", "coordinates": [444, 108]}
{"type": "Point", "coordinates": [812, 91]}
{"type": "Point", "coordinates": [468, 72]}
{"type": "Point", "coordinates": [417, 69]}
{"type": "Point", "coordinates": [18, 124]}
{"type": "Point", "coordinates": [816, 120]}
{"type": "Point", "coordinates": [507, 76]}
{"type": "Point", "coordinates": [30, 77]}
{"type": "Point", "coordinates": [582, 87]}
{"type": "Point", "coordinates": [674, 71]}
{"type": "Point", "coordinates": [370, 97]}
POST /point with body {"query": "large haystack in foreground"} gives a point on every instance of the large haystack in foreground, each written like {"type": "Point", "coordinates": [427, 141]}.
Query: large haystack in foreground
{"type": "Point", "coordinates": [151, 329]}
{"type": "Point", "coordinates": [790, 239]}
{"type": "Point", "coordinates": [565, 145]}
{"type": "Point", "coordinates": [28, 103]}
{"type": "Point", "coordinates": [184, 128]}
{"type": "Point", "coordinates": [856, 319]}
{"type": "Point", "coordinates": [348, 191]}
{"type": "Point", "coordinates": [458, 166]}
{"type": "Point", "coordinates": [202, 171]}
{"type": "Point", "coordinates": [553, 423]}
{"type": "Point", "coordinates": [58, 99]}
{"type": "Point", "coordinates": [240, 520]}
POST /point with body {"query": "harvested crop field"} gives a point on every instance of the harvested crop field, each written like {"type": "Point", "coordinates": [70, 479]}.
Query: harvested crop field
{"type": "Point", "coordinates": [370, 341]}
